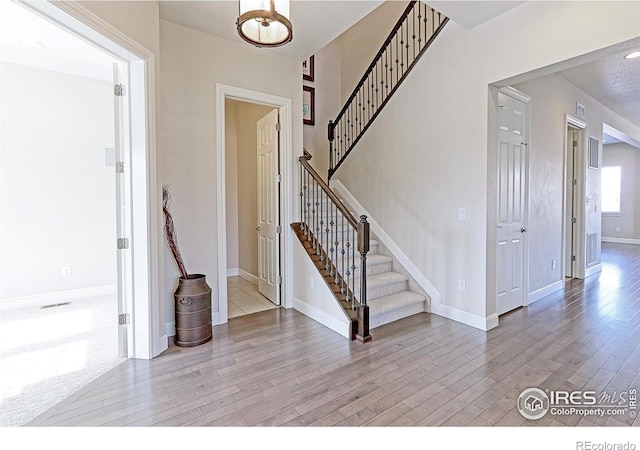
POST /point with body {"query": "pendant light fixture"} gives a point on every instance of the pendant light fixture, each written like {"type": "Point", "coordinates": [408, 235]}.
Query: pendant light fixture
{"type": "Point", "coordinates": [265, 23]}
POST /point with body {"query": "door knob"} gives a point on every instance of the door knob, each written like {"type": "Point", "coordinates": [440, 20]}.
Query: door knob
{"type": "Point", "coordinates": [523, 230]}
{"type": "Point", "coordinates": [258, 228]}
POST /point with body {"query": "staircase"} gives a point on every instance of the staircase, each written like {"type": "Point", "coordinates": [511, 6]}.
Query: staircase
{"type": "Point", "coordinates": [363, 280]}
{"type": "Point", "coordinates": [388, 294]}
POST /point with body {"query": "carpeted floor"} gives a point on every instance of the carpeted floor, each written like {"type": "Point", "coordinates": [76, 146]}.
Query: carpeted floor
{"type": "Point", "coordinates": [48, 353]}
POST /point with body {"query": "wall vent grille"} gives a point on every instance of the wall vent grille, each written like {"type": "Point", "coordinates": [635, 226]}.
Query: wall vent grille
{"type": "Point", "coordinates": [592, 249]}
{"type": "Point", "coordinates": [594, 147]}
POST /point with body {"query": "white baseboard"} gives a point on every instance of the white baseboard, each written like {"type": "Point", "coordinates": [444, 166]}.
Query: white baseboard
{"type": "Point", "coordinates": [215, 318]}
{"type": "Point", "coordinates": [163, 343]}
{"type": "Point", "coordinates": [474, 320]}
{"type": "Point", "coordinates": [465, 317]}
{"type": "Point", "coordinates": [614, 240]}
{"type": "Point", "coordinates": [342, 328]}
{"type": "Point", "coordinates": [416, 274]}
{"type": "Point", "coordinates": [60, 296]}
{"type": "Point", "coordinates": [170, 328]}
{"type": "Point", "coordinates": [543, 292]}
{"type": "Point", "coordinates": [592, 270]}
{"type": "Point", "coordinates": [237, 272]}
{"type": "Point", "coordinates": [248, 276]}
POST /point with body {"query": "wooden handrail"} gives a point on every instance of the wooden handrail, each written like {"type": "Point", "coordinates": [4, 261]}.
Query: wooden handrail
{"type": "Point", "coordinates": [383, 47]}
{"type": "Point", "coordinates": [398, 55]}
{"type": "Point", "coordinates": [304, 160]}
{"type": "Point", "coordinates": [333, 235]}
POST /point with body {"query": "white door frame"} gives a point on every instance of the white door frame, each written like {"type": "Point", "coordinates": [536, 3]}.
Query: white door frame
{"type": "Point", "coordinates": [145, 241]}
{"type": "Point", "coordinates": [580, 162]}
{"type": "Point", "coordinates": [224, 92]}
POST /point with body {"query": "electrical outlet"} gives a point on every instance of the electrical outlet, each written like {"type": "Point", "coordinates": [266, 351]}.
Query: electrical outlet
{"type": "Point", "coordinates": [617, 229]}
{"type": "Point", "coordinates": [312, 284]}
{"type": "Point", "coordinates": [462, 214]}
{"type": "Point", "coordinates": [553, 264]}
{"type": "Point", "coordinates": [66, 271]}
{"type": "Point", "coordinates": [462, 285]}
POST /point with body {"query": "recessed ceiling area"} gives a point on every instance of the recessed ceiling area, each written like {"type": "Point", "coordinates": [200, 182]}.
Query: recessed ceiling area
{"type": "Point", "coordinates": [30, 40]}
{"type": "Point", "coordinates": [612, 80]}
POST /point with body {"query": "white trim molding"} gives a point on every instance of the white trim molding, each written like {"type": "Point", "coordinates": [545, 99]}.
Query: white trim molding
{"type": "Point", "coordinates": [342, 328]}
{"type": "Point", "coordinates": [146, 248]}
{"type": "Point", "coordinates": [614, 240]}
{"type": "Point", "coordinates": [55, 297]}
{"type": "Point", "coordinates": [284, 106]}
{"type": "Point", "coordinates": [597, 268]}
{"type": "Point", "coordinates": [544, 291]}
{"type": "Point", "coordinates": [237, 272]}
{"type": "Point", "coordinates": [437, 307]}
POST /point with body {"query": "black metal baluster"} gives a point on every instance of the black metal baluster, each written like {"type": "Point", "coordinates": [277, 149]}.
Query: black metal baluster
{"type": "Point", "coordinates": [342, 252]}
{"type": "Point", "coordinates": [316, 230]}
{"type": "Point", "coordinates": [414, 29]}
{"type": "Point", "coordinates": [303, 190]}
{"type": "Point", "coordinates": [353, 268]}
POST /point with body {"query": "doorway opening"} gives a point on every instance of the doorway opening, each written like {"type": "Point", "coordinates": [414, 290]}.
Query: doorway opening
{"type": "Point", "coordinates": [620, 187]}
{"type": "Point", "coordinates": [59, 278]}
{"type": "Point", "coordinates": [137, 323]}
{"type": "Point", "coordinates": [282, 172]}
{"type": "Point", "coordinates": [252, 203]}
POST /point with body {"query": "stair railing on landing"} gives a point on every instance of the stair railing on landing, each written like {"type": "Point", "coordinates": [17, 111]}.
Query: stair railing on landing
{"type": "Point", "coordinates": [336, 235]}
{"type": "Point", "coordinates": [414, 32]}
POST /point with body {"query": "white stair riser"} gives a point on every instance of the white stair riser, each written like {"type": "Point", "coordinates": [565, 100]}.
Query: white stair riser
{"type": "Point", "coordinates": [381, 291]}
{"type": "Point", "coordinates": [373, 269]}
{"type": "Point", "coordinates": [376, 320]}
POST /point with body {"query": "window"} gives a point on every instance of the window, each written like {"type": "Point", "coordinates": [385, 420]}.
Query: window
{"type": "Point", "coordinates": [611, 189]}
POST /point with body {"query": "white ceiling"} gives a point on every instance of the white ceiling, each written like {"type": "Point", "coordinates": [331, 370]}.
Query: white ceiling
{"type": "Point", "coordinates": [611, 79]}
{"type": "Point", "coordinates": [315, 22]}
{"type": "Point", "coordinates": [472, 13]}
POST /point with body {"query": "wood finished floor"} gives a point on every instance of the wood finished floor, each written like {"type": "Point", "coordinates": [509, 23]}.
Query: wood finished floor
{"type": "Point", "coordinates": [279, 368]}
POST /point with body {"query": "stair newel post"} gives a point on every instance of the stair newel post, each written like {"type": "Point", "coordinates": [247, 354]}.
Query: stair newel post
{"type": "Point", "coordinates": [363, 310]}
{"type": "Point", "coordinates": [331, 135]}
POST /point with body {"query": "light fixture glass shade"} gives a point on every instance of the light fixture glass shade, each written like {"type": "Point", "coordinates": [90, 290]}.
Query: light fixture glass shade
{"type": "Point", "coordinates": [265, 23]}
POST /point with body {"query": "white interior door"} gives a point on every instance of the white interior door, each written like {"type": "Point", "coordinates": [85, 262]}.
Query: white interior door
{"type": "Point", "coordinates": [268, 207]}
{"type": "Point", "coordinates": [123, 211]}
{"type": "Point", "coordinates": [512, 207]}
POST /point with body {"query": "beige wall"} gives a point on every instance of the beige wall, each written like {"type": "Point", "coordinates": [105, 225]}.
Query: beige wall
{"type": "Point", "coordinates": [192, 63]}
{"type": "Point", "coordinates": [553, 98]}
{"type": "Point", "coordinates": [426, 156]}
{"type": "Point", "coordinates": [242, 188]}
{"type": "Point", "coordinates": [628, 158]}
{"type": "Point", "coordinates": [327, 105]}
{"type": "Point", "coordinates": [412, 181]}
{"type": "Point", "coordinates": [339, 66]}
{"type": "Point", "coordinates": [54, 128]}
{"type": "Point", "coordinates": [189, 64]}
